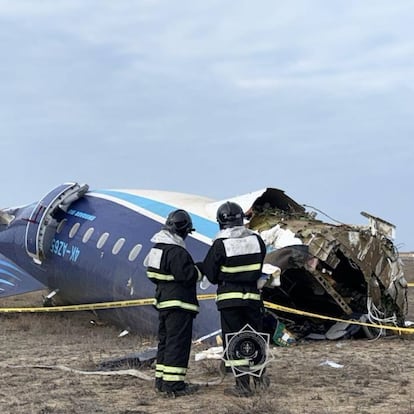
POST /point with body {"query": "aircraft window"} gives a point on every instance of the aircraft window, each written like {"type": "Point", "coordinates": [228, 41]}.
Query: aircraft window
{"type": "Point", "coordinates": [134, 252]}
{"type": "Point", "coordinates": [118, 245]}
{"type": "Point", "coordinates": [74, 230]}
{"type": "Point", "coordinates": [102, 240]}
{"type": "Point", "coordinates": [60, 226]}
{"type": "Point", "coordinates": [88, 234]}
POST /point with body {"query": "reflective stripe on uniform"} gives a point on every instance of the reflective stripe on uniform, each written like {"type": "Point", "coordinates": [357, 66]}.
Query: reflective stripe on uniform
{"type": "Point", "coordinates": [239, 269]}
{"type": "Point", "coordinates": [160, 276]}
{"type": "Point", "coordinates": [174, 373]}
{"type": "Point", "coordinates": [169, 369]}
{"type": "Point", "coordinates": [238, 295]}
{"type": "Point", "coordinates": [159, 369]}
{"type": "Point", "coordinates": [173, 377]}
{"type": "Point", "coordinates": [236, 362]}
{"type": "Point", "coordinates": [177, 303]}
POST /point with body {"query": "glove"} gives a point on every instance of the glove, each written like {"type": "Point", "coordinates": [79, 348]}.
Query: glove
{"type": "Point", "coordinates": [262, 281]}
{"type": "Point", "coordinates": [273, 273]}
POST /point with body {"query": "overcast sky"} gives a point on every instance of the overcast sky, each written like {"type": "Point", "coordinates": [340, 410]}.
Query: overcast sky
{"type": "Point", "coordinates": [213, 97]}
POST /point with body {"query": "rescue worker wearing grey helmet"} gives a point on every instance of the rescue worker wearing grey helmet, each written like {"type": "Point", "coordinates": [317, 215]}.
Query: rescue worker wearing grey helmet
{"type": "Point", "coordinates": [172, 269]}
{"type": "Point", "coordinates": [234, 262]}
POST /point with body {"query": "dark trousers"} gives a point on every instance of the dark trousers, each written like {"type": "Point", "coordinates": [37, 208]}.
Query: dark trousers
{"type": "Point", "coordinates": [174, 345]}
{"type": "Point", "coordinates": [233, 320]}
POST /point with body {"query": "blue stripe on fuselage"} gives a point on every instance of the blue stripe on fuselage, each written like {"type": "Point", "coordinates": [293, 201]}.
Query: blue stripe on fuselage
{"type": "Point", "coordinates": [5, 272]}
{"type": "Point", "coordinates": [10, 266]}
{"type": "Point", "coordinates": [202, 225]}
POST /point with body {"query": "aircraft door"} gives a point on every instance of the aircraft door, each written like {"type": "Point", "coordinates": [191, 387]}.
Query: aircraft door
{"type": "Point", "coordinates": [42, 223]}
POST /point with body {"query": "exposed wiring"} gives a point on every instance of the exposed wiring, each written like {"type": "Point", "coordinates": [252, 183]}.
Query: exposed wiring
{"type": "Point", "coordinates": [326, 215]}
{"type": "Point", "coordinates": [376, 316]}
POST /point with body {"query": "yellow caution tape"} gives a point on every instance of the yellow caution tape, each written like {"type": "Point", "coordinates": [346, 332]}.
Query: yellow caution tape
{"type": "Point", "coordinates": [82, 307]}
{"type": "Point", "coordinates": [350, 321]}
{"type": "Point", "coordinates": [410, 284]}
{"type": "Point", "coordinates": [92, 306]}
{"type": "Point", "coordinates": [151, 301]}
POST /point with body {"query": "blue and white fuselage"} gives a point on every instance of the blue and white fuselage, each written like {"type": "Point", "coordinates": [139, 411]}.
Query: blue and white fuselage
{"type": "Point", "coordinates": [90, 246]}
{"type": "Point", "coordinates": [97, 249]}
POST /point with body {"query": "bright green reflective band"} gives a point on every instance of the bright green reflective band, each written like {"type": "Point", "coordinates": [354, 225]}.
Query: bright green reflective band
{"type": "Point", "coordinates": [174, 370]}
{"type": "Point", "coordinates": [160, 276]}
{"type": "Point", "coordinates": [159, 368]}
{"type": "Point", "coordinates": [177, 303]}
{"type": "Point", "coordinates": [237, 295]}
{"type": "Point", "coordinates": [172, 377]}
{"type": "Point", "coordinates": [236, 362]}
{"type": "Point", "coordinates": [238, 269]}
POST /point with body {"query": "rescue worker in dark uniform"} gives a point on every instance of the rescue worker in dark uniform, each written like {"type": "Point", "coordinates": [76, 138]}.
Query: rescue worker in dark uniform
{"type": "Point", "coordinates": [171, 267]}
{"type": "Point", "coordinates": [234, 263]}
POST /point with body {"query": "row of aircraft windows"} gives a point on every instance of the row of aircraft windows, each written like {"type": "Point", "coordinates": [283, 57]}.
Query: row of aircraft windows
{"type": "Point", "coordinates": [116, 248]}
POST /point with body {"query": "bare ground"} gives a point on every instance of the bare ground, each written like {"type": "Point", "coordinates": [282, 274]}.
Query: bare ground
{"type": "Point", "coordinates": [376, 377]}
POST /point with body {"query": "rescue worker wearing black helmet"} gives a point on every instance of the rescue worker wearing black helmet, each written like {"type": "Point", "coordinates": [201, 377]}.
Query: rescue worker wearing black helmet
{"type": "Point", "coordinates": [234, 262]}
{"type": "Point", "coordinates": [171, 267]}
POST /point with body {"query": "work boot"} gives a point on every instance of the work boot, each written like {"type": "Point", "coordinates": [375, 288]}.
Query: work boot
{"type": "Point", "coordinates": [261, 383]}
{"type": "Point", "coordinates": [187, 389]}
{"type": "Point", "coordinates": [241, 389]}
{"type": "Point", "coordinates": [158, 385]}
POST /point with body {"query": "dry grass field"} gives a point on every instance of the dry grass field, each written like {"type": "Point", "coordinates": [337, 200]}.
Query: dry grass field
{"type": "Point", "coordinates": [376, 376]}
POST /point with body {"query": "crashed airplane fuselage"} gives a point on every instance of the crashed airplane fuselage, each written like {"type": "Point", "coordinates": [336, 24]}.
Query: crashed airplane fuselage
{"type": "Point", "coordinates": [89, 246]}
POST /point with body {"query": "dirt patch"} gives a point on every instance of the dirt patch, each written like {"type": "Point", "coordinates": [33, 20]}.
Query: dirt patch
{"type": "Point", "coordinates": [375, 377]}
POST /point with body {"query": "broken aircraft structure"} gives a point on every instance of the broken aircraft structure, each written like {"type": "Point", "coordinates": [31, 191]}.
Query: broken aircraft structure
{"type": "Point", "coordinates": [341, 270]}
{"type": "Point", "coordinates": [88, 247]}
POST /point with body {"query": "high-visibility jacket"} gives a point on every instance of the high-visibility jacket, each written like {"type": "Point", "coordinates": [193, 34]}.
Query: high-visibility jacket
{"type": "Point", "coordinates": [171, 267]}
{"type": "Point", "coordinates": [234, 263]}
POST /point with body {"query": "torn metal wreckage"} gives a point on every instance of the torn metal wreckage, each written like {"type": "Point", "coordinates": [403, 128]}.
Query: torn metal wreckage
{"type": "Point", "coordinates": [338, 270]}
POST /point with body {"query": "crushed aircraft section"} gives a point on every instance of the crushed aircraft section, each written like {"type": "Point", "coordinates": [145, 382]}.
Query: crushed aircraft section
{"type": "Point", "coordinates": [343, 271]}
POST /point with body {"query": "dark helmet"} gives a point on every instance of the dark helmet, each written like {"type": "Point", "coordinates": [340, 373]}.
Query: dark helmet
{"type": "Point", "coordinates": [230, 214]}
{"type": "Point", "coordinates": [179, 222]}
